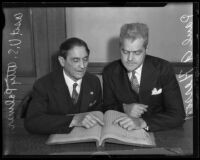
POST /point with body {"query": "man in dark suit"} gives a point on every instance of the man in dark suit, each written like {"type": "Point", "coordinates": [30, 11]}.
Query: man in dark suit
{"type": "Point", "coordinates": [62, 93]}
{"type": "Point", "coordinates": [142, 86]}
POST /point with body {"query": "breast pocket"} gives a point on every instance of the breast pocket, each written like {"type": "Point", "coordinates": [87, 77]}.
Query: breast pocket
{"type": "Point", "coordinates": [156, 99]}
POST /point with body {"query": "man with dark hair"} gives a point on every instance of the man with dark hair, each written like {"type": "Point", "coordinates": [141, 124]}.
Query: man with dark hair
{"type": "Point", "coordinates": [142, 86]}
{"type": "Point", "coordinates": [58, 96]}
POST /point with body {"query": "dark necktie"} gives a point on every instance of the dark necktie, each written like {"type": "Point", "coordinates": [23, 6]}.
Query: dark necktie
{"type": "Point", "coordinates": [74, 94]}
{"type": "Point", "coordinates": [134, 82]}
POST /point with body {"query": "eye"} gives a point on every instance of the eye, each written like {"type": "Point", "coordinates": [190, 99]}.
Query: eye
{"type": "Point", "coordinates": [85, 59]}
{"type": "Point", "coordinates": [138, 52]}
{"type": "Point", "coordinates": [75, 59]}
{"type": "Point", "coordinates": [124, 51]}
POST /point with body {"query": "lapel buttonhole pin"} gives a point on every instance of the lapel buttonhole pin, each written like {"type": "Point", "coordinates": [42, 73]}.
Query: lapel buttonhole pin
{"type": "Point", "coordinates": [91, 93]}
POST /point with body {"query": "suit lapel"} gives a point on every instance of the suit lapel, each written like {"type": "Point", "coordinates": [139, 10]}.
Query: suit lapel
{"type": "Point", "coordinates": [62, 92]}
{"type": "Point", "coordinates": [148, 79]}
{"type": "Point", "coordinates": [123, 86]}
{"type": "Point", "coordinates": [85, 92]}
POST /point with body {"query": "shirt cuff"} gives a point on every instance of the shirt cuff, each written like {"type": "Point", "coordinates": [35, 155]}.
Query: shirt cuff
{"type": "Point", "coordinates": [146, 128]}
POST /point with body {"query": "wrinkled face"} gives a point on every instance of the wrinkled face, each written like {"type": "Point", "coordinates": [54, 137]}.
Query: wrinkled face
{"type": "Point", "coordinates": [132, 53]}
{"type": "Point", "coordinates": [76, 62]}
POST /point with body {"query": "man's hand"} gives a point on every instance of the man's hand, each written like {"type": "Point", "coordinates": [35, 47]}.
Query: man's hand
{"type": "Point", "coordinates": [87, 120]}
{"type": "Point", "coordinates": [129, 123]}
{"type": "Point", "coordinates": [134, 110]}
{"type": "Point", "coordinates": [91, 120]}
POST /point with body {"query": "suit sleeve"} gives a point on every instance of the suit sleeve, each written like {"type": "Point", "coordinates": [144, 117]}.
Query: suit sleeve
{"type": "Point", "coordinates": [173, 113]}
{"type": "Point", "coordinates": [110, 101]}
{"type": "Point", "coordinates": [39, 121]}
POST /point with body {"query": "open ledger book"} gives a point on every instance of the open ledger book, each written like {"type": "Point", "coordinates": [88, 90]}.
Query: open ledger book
{"type": "Point", "coordinates": [109, 132]}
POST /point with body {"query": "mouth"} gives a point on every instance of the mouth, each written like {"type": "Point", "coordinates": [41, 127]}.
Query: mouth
{"type": "Point", "coordinates": [80, 71]}
{"type": "Point", "coordinates": [131, 63]}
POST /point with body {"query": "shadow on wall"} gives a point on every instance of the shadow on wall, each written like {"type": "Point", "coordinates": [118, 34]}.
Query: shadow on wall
{"type": "Point", "coordinates": [54, 61]}
{"type": "Point", "coordinates": [113, 52]}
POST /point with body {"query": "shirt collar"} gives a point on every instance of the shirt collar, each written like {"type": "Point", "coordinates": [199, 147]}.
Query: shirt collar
{"type": "Point", "coordinates": [137, 71]}
{"type": "Point", "coordinates": [69, 81]}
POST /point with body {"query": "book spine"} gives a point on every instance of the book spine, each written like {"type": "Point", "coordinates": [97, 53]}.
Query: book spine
{"type": "Point", "coordinates": [98, 144]}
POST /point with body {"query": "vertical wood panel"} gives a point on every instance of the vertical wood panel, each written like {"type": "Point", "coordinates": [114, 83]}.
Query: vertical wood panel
{"type": "Point", "coordinates": [40, 41]}
{"type": "Point", "coordinates": [56, 33]}
{"type": "Point", "coordinates": [17, 41]}
{"type": "Point", "coordinates": [43, 32]}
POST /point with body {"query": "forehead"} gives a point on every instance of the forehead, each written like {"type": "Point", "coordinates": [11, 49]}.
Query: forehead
{"type": "Point", "coordinates": [78, 52]}
{"type": "Point", "coordinates": [133, 44]}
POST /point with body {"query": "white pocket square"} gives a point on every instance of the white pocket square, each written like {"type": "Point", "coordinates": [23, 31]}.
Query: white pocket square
{"type": "Point", "coordinates": [156, 92]}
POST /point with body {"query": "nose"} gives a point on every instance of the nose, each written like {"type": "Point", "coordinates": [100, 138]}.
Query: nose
{"type": "Point", "coordinates": [130, 56]}
{"type": "Point", "coordinates": [82, 65]}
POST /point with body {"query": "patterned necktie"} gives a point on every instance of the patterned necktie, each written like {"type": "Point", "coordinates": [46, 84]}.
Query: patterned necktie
{"type": "Point", "coordinates": [134, 82]}
{"type": "Point", "coordinates": [74, 94]}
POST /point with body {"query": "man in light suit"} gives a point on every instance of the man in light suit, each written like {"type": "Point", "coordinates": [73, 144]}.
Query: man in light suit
{"type": "Point", "coordinates": [142, 86]}
{"type": "Point", "coordinates": [62, 93]}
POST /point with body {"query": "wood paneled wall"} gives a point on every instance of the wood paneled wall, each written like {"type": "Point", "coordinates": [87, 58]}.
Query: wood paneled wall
{"type": "Point", "coordinates": [31, 37]}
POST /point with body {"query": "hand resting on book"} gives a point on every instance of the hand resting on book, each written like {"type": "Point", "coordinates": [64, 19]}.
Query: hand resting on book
{"type": "Point", "coordinates": [86, 120]}
{"type": "Point", "coordinates": [135, 110]}
{"type": "Point", "coordinates": [130, 123]}
{"type": "Point", "coordinates": [109, 132]}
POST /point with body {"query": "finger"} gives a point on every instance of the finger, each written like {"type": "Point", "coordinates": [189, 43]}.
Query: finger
{"type": "Point", "coordinates": [127, 124]}
{"type": "Point", "coordinates": [141, 109]}
{"type": "Point", "coordinates": [97, 119]}
{"type": "Point", "coordinates": [90, 119]}
{"type": "Point", "coordinates": [130, 128]}
{"type": "Point", "coordinates": [144, 106]}
{"type": "Point", "coordinates": [87, 122]}
{"type": "Point", "coordinates": [136, 113]}
{"type": "Point", "coordinates": [118, 119]}
{"type": "Point", "coordinates": [87, 126]}
{"type": "Point", "coordinates": [84, 124]}
{"type": "Point", "coordinates": [137, 116]}
{"type": "Point", "coordinates": [139, 113]}
{"type": "Point", "coordinates": [144, 109]}
{"type": "Point", "coordinates": [124, 121]}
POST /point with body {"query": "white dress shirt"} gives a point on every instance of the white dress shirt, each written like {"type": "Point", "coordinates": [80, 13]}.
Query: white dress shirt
{"type": "Point", "coordinates": [138, 73]}
{"type": "Point", "coordinates": [70, 83]}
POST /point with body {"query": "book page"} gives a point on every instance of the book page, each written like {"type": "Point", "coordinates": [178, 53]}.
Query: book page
{"type": "Point", "coordinates": [119, 135]}
{"type": "Point", "coordinates": [79, 134]}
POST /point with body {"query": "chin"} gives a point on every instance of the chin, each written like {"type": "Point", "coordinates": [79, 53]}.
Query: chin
{"type": "Point", "coordinates": [79, 76]}
{"type": "Point", "coordinates": [130, 68]}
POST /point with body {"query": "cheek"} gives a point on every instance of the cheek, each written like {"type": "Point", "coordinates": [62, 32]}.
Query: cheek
{"type": "Point", "coordinates": [140, 59]}
{"type": "Point", "coordinates": [86, 64]}
{"type": "Point", "coordinates": [70, 68]}
{"type": "Point", "coordinates": [123, 57]}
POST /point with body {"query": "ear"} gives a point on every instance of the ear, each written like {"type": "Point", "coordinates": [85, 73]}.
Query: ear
{"type": "Point", "coordinates": [61, 60]}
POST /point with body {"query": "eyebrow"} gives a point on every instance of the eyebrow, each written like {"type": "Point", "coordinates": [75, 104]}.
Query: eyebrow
{"type": "Point", "coordinates": [132, 51]}
{"type": "Point", "coordinates": [79, 57]}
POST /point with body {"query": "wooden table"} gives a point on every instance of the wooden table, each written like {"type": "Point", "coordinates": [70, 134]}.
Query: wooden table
{"type": "Point", "coordinates": [18, 141]}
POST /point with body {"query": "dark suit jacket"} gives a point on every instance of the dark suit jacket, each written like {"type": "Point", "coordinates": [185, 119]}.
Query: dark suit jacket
{"type": "Point", "coordinates": [164, 111]}
{"type": "Point", "coordinates": [51, 102]}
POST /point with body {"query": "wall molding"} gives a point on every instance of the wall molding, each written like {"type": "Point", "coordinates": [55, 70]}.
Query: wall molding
{"type": "Point", "coordinates": [179, 67]}
{"type": "Point", "coordinates": [94, 67]}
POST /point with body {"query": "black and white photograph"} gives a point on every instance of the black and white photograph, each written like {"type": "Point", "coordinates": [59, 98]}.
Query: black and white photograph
{"type": "Point", "coordinates": [100, 79]}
